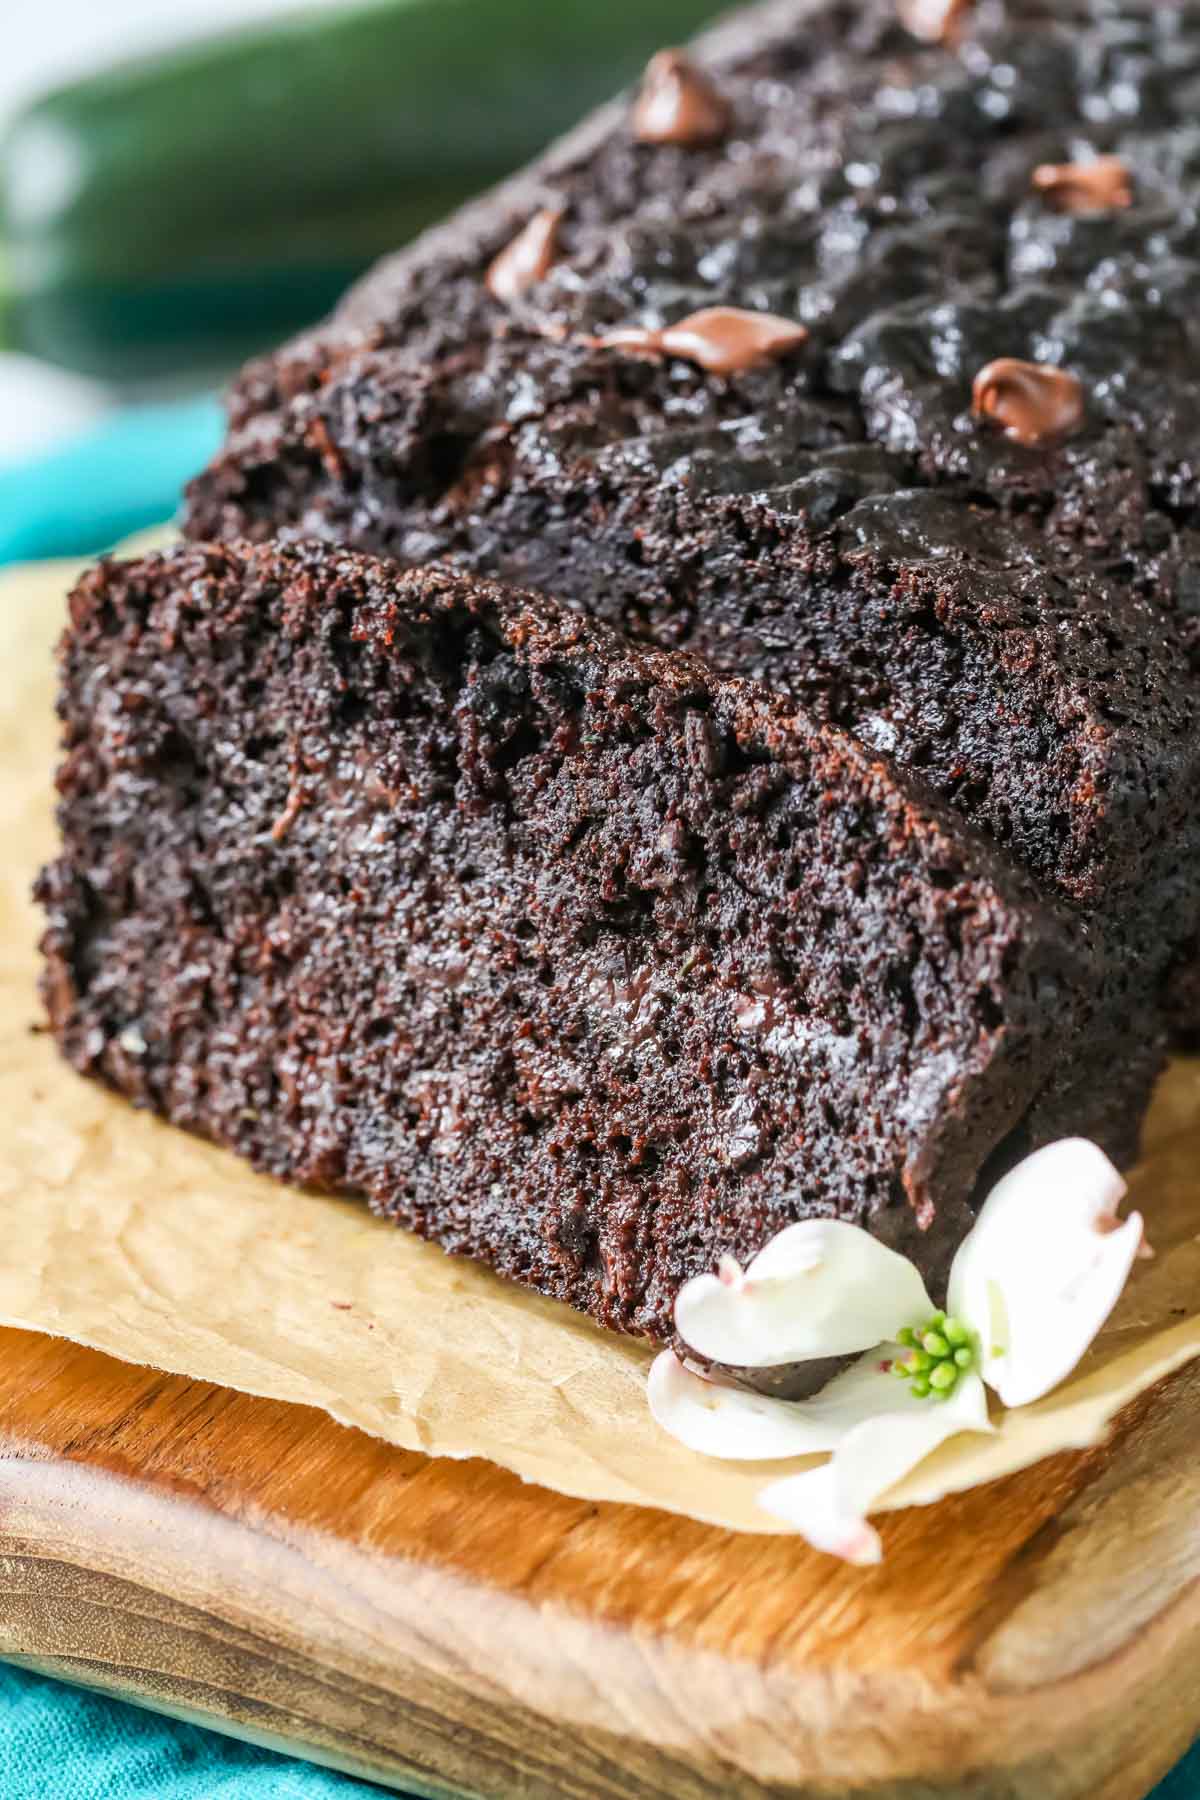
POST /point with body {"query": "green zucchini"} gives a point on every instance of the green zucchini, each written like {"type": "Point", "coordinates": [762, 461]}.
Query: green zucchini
{"type": "Point", "coordinates": [185, 208]}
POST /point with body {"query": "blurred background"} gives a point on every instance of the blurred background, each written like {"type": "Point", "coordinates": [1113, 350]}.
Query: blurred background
{"type": "Point", "coordinates": [57, 43]}
{"type": "Point", "coordinates": [183, 182]}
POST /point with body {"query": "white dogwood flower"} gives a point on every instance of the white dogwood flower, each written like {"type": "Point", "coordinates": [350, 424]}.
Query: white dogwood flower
{"type": "Point", "coordinates": [1031, 1285]}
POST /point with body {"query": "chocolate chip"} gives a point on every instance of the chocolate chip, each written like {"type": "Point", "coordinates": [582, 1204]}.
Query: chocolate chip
{"type": "Point", "coordinates": [934, 21]}
{"type": "Point", "coordinates": [679, 104]}
{"type": "Point", "coordinates": [1032, 401]}
{"type": "Point", "coordinates": [1101, 185]}
{"type": "Point", "coordinates": [528, 259]}
{"type": "Point", "coordinates": [724, 340]}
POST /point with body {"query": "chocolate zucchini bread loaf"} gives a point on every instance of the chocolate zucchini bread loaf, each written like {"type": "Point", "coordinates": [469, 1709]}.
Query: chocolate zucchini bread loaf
{"type": "Point", "coordinates": [568, 953]}
{"type": "Point", "coordinates": [831, 834]}
{"type": "Point", "coordinates": [955, 512]}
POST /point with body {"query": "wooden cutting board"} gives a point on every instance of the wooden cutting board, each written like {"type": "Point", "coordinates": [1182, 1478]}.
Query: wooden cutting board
{"type": "Point", "coordinates": [438, 1626]}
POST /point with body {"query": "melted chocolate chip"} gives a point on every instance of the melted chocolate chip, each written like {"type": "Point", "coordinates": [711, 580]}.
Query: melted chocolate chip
{"type": "Point", "coordinates": [1101, 185]}
{"type": "Point", "coordinates": [1032, 401]}
{"type": "Point", "coordinates": [935, 21]}
{"type": "Point", "coordinates": [528, 259]}
{"type": "Point", "coordinates": [724, 340]}
{"type": "Point", "coordinates": [781, 1381]}
{"type": "Point", "coordinates": [678, 104]}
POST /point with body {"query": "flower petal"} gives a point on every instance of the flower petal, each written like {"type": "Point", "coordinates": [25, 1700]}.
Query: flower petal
{"type": "Point", "coordinates": [819, 1288]}
{"type": "Point", "coordinates": [814, 1505]}
{"type": "Point", "coordinates": [1043, 1266]}
{"type": "Point", "coordinates": [829, 1505]}
{"type": "Point", "coordinates": [730, 1423]}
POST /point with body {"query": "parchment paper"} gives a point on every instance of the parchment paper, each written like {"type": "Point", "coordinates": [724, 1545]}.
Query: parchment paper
{"type": "Point", "coordinates": [131, 1237]}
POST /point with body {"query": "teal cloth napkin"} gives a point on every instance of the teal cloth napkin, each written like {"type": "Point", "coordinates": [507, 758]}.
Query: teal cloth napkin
{"type": "Point", "coordinates": [66, 1743]}
{"type": "Point", "coordinates": [59, 1740]}
{"type": "Point", "coordinates": [125, 474]}
{"type": "Point", "coordinates": [78, 1746]}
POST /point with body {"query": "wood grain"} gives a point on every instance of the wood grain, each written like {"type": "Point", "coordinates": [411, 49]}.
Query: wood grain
{"type": "Point", "coordinates": [439, 1626]}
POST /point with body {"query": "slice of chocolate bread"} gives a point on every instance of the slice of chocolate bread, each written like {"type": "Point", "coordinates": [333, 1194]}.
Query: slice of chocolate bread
{"type": "Point", "coordinates": [567, 953]}
{"type": "Point", "coordinates": [987, 571]}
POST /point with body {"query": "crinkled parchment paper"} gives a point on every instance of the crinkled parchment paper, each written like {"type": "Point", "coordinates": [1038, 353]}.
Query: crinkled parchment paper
{"type": "Point", "coordinates": [138, 1240]}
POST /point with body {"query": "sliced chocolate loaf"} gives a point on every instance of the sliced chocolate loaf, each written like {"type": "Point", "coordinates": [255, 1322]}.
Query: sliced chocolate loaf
{"type": "Point", "coordinates": [567, 953]}
{"type": "Point", "coordinates": [958, 518]}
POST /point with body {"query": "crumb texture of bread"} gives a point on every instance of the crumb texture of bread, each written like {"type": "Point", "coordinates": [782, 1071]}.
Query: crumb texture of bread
{"type": "Point", "coordinates": [568, 953]}
{"type": "Point", "coordinates": [828, 831]}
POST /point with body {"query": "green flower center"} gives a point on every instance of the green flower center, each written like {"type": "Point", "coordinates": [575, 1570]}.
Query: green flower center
{"type": "Point", "coordinates": [940, 1352]}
